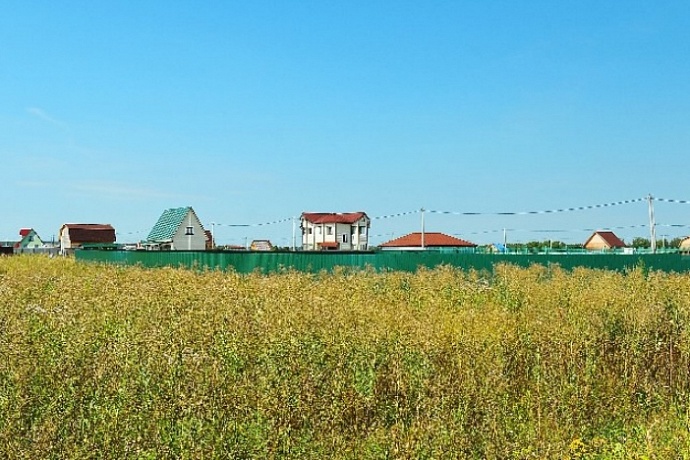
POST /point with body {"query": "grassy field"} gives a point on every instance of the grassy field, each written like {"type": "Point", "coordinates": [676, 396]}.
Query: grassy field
{"type": "Point", "coordinates": [112, 362]}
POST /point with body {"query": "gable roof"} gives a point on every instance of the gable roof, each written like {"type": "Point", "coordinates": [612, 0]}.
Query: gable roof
{"type": "Point", "coordinates": [168, 223]}
{"type": "Point", "coordinates": [431, 239]}
{"type": "Point", "coordinates": [261, 245]}
{"type": "Point", "coordinates": [90, 233]}
{"type": "Point", "coordinates": [333, 217]}
{"type": "Point", "coordinates": [609, 238]}
{"type": "Point", "coordinates": [28, 235]}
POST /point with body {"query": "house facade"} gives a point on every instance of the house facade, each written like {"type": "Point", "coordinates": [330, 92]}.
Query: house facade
{"type": "Point", "coordinates": [178, 229]}
{"type": "Point", "coordinates": [73, 236]}
{"type": "Point", "coordinates": [602, 241]}
{"type": "Point", "coordinates": [685, 244]}
{"type": "Point", "coordinates": [323, 231]}
{"type": "Point", "coordinates": [30, 240]}
{"type": "Point", "coordinates": [261, 245]}
{"type": "Point", "coordinates": [419, 241]}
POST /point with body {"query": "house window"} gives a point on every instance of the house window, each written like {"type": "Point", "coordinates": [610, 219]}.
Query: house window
{"type": "Point", "coordinates": [362, 230]}
{"type": "Point", "coordinates": [309, 231]}
{"type": "Point", "coordinates": [189, 231]}
{"type": "Point", "coordinates": [344, 237]}
{"type": "Point", "coordinates": [329, 230]}
{"type": "Point", "coordinates": [318, 230]}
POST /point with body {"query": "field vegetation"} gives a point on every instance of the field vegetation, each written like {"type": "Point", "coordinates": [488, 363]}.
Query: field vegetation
{"type": "Point", "coordinates": [125, 362]}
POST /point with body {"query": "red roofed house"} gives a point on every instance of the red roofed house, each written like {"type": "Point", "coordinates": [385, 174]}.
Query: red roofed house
{"type": "Point", "coordinates": [601, 241]}
{"type": "Point", "coordinates": [428, 240]}
{"type": "Point", "coordinates": [331, 231]}
{"type": "Point", "coordinates": [73, 236]}
{"type": "Point", "coordinates": [30, 240]}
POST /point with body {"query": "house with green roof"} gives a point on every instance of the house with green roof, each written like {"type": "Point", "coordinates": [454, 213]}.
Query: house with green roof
{"type": "Point", "coordinates": [178, 229]}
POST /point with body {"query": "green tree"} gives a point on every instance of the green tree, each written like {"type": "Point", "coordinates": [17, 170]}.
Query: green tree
{"type": "Point", "coordinates": [639, 242]}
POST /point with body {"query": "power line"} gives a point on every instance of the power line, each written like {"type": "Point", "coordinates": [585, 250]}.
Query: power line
{"type": "Point", "coordinates": [262, 224]}
{"type": "Point", "coordinates": [464, 213]}
{"type": "Point", "coordinates": [672, 201]}
{"type": "Point", "coordinates": [547, 211]}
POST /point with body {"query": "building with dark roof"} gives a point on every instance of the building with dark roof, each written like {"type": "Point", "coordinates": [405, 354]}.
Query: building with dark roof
{"type": "Point", "coordinates": [73, 236]}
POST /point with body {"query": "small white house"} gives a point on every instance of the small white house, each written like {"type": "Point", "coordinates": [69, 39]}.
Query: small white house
{"type": "Point", "coordinates": [177, 229]}
{"type": "Point", "coordinates": [323, 231]}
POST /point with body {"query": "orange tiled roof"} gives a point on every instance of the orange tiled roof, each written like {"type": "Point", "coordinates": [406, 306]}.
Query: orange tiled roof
{"type": "Point", "coordinates": [431, 239]}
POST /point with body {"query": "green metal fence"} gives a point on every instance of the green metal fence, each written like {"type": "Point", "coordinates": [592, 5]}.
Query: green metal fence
{"type": "Point", "coordinates": [268, 262]}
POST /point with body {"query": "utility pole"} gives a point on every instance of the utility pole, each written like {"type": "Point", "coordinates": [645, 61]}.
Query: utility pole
{"type": "Point", "coordinates": [294, 230]}
{"type": "Point", "coordinates": [422, 210]}
{"type": "Point", "coordinates": [213, 235]}
{"type": "Point", "coordinates": [652, 223]}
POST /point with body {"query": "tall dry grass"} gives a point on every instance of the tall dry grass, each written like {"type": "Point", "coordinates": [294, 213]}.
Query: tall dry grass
{"type": "Point", "coordinates": [111, 362]}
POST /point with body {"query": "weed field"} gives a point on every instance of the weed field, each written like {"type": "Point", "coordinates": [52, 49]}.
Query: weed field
{"type": "Point", "coordinates": [124, 362]}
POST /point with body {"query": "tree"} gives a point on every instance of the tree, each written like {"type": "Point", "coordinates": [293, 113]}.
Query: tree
{"type": "Point", "coordinates": [675, 242]}
{"type": "Point", "coordinates": [639, 242]}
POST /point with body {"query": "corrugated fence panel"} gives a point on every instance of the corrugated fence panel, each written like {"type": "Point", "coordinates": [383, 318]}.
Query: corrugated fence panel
{"type": "Point", "coordinates": [268, 262]}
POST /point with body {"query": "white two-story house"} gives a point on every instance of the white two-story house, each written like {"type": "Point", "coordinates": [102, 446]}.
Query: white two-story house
{"type": "Point", "coordinates": [335, 231]}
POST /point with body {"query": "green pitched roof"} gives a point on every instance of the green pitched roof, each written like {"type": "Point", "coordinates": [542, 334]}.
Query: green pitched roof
{"type": "Point", "coordinates": [168, 223]}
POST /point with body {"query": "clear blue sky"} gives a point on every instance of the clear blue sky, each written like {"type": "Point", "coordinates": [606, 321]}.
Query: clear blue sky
{"type": "Point", "coordinates": [253, 112]}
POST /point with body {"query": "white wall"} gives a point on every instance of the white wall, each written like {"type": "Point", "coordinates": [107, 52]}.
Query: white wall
{"type": "Point", "coordinates": [65, 242]}
{"type": "Point", "coordinates": [195, 242]}
{"type": "Point", "coordinates": [319, 235]}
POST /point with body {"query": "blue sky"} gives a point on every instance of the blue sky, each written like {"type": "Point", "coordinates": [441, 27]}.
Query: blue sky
{"type": "Point", "coordinates": [253, 112]}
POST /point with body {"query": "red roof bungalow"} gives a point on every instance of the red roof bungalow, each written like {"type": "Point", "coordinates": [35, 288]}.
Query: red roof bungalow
{"type": "Point", "coordinates": [603, 241]}
{"type": "Point", "coordinates": [73, 236]}
{"type": "Point", "coordinates": [429, 240]}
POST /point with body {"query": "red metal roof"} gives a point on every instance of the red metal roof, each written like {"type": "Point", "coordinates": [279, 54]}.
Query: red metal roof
{"type": "Point", "coordinates": [91, 233]}
{"type": "Point", "coordinates": [609, 237]}
{"type": "Point", "coordinates": [24, 231]}
{"type": "Point", "coordinates": [332, 217]}
{"type": "Point", "coordinates": [432, 239]}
